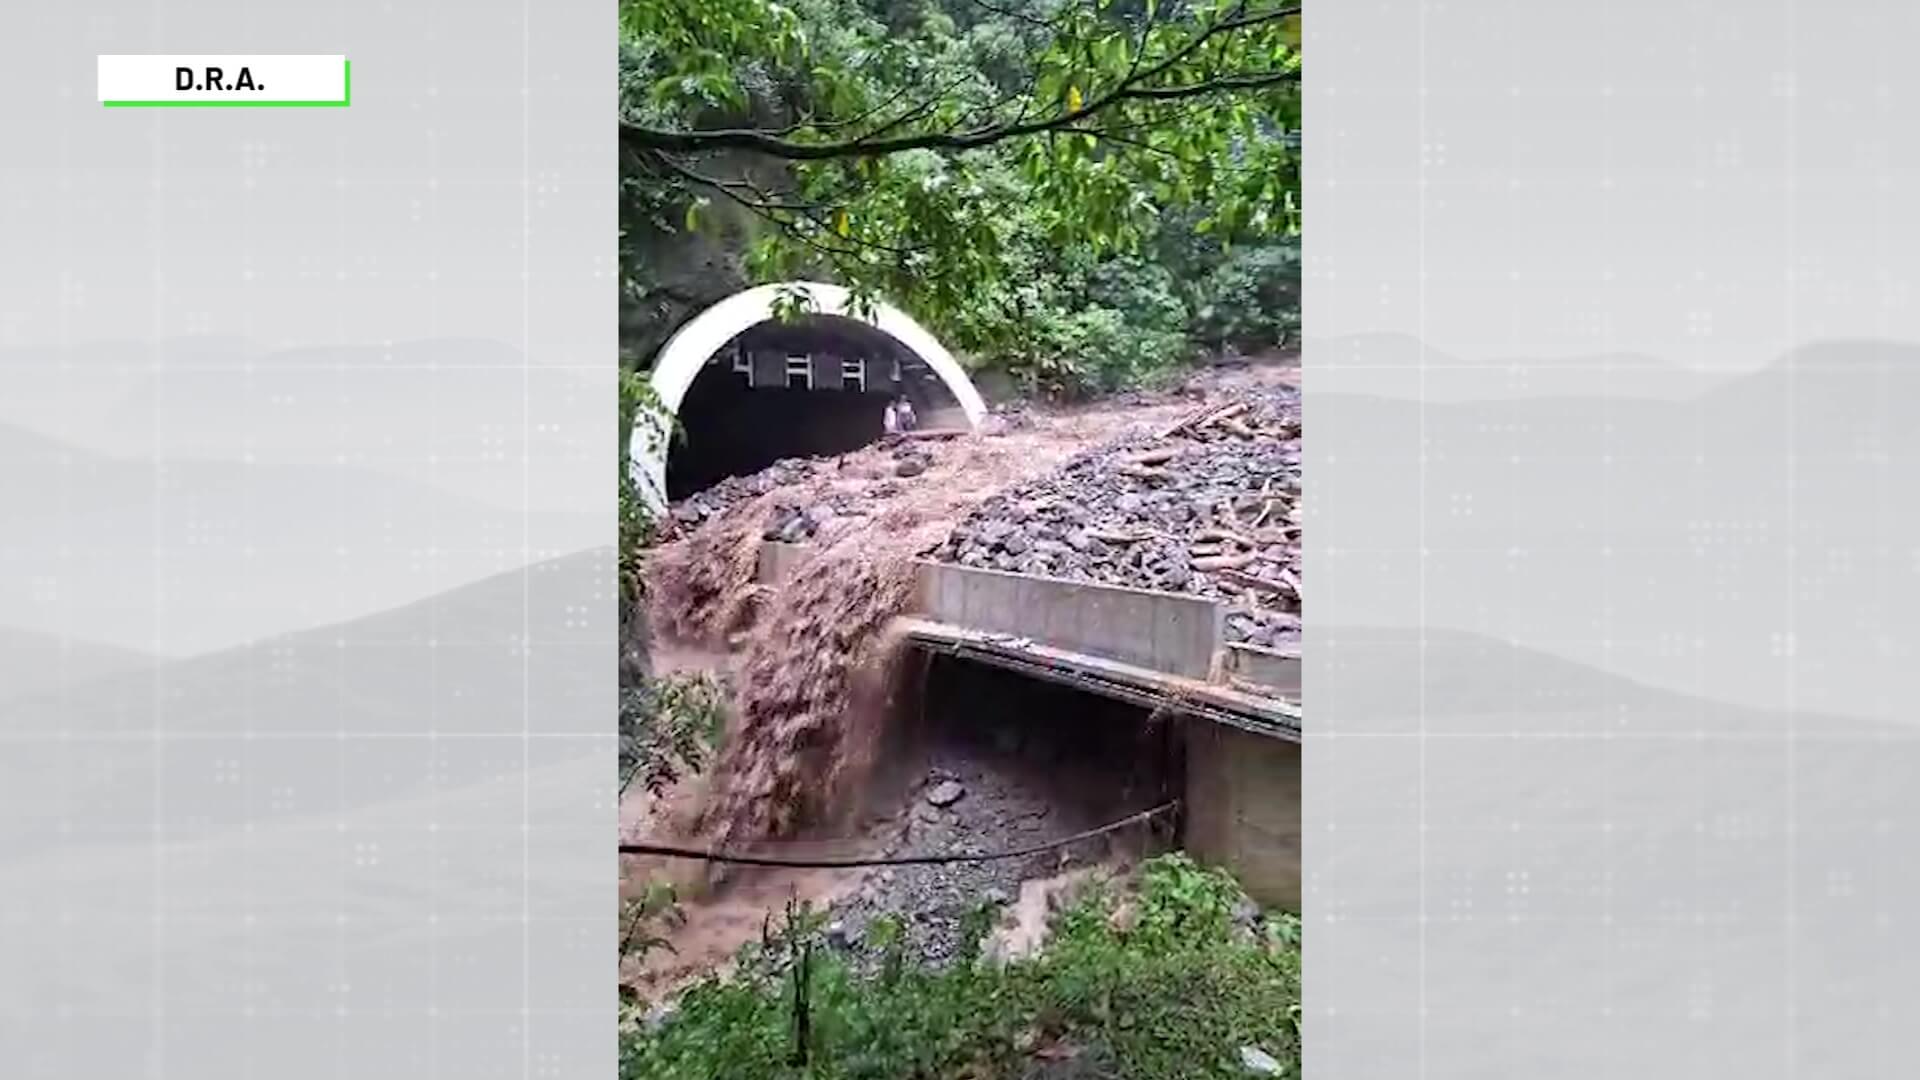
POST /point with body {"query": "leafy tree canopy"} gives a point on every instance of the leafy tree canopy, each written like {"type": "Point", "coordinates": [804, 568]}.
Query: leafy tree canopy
{"type": "Point", "coordinates": [974, 160]}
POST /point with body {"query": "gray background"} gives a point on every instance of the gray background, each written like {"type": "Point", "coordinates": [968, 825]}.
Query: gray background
{"type": "Point", "coordinates": [1613, 635]}
{"type": "Point", "coordinates": [1610, 529]}
{"type": "Point", "coordinates": [306, 582]}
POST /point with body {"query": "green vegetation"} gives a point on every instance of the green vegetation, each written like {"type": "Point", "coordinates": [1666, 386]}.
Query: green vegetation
{"type": "Point", "coordinates": [1079, 193]}
{"type": "Point", "coordinates": [1159, 982]}
{"type": "Point", "coordinates": [646, 919]}
{"type": "Point", "coordinates": [670, 726]}
{"type": "Point", "coordinates": [642, 416]}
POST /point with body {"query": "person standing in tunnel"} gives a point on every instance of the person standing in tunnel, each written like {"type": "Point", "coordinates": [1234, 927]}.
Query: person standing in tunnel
{"type": "Point", "coordinates": [890, 419]}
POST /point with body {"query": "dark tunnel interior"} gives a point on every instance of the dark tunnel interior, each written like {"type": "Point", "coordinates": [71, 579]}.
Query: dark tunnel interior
{"type": "Point", "coordinates": [747, 409]}
{"type": "Point", "coordinates": [734, 430]}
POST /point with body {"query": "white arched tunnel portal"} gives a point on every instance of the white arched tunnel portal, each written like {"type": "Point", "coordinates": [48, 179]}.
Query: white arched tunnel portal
{"type": "Point", "coordinates": [685, 355]}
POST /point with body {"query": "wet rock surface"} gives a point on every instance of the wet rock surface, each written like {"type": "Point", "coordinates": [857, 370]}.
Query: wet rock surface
{"type": "Point", "coordinates": [1000, 807]}
{"type": "Point", "coordinates": [933, 902]}
{"type": "Point", "coordinates": [1257, 1062]}
{"type": "Point", "coordinates": [811, 493]}
{"type": "Point", "coordinates": [718, 499]}
{"type": "Point", "coordinates": [1209, 507]}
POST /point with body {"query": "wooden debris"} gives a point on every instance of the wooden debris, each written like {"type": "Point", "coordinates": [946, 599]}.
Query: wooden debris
{"type": "Point", "coordinates": [1279, 587]}
{"type": "Point", "coordinates": [1159, 455]}
{"type": "Point", "coordinates": [1224, 536]}
{"type": "Point", "coordinates": [1222, 562]}
{"type": "Point", "coordinates": [1209, 415]}
{"type": "Point", "coordinates": [1204, 510]}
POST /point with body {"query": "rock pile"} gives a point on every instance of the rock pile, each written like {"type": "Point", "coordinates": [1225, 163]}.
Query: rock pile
{"type": "Point", "coordinates": [795, 523]}
{"type": "Point", "coordinates": [851, 483]}
{"type": "Point", "coordinates": [981, 805]}
{"type": "Point", "coordinates": [706, 505]}
{"type": "Point", "coordinates": [1208, 506]}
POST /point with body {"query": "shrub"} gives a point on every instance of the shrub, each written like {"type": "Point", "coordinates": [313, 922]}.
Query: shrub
{"type": "Point", "coordinates": [1172, 993]}
{"type": "Point", "coordinates": [1093, 350]}
{"type": "Point", "coordinates": [1251, 300]}
{"type": "Point", "coordinates": [669, 726]}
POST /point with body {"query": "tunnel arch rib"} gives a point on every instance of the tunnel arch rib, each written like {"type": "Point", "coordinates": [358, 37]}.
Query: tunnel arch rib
{"type": "Point", "coordinates": [685, 355]}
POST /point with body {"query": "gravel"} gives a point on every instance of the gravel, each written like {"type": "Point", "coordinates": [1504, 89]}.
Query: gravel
{"type": "Point", "coordinates": [1001, 810]}
{"type": "Point", "coordinates": [732, 491]}
{"type": "Point", "coordinates": [851, 493]}
{"type": "Point", "coordinates": [1209, 510]}
{"type": "Point", "coordinates": [945, 793]}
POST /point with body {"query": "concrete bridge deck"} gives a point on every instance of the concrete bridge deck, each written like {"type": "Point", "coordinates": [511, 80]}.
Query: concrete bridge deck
{"type": "Point", "coordinates": [1254, 713]}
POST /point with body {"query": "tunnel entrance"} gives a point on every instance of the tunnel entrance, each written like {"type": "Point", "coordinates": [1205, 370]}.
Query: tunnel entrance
{"type": "Point", "coordinates": [812, 387]}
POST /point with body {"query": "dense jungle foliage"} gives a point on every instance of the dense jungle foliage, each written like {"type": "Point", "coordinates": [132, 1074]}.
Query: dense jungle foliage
{"type": "Point", "coordinates": [1077, 193]}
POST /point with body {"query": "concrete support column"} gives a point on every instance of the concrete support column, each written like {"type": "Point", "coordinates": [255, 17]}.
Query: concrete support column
{"type": "Point", "coordinates": [1243, 809]}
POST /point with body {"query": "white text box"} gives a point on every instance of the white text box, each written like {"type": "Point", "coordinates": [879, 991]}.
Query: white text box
{"type": "Point", "coordinates": [224, 80]}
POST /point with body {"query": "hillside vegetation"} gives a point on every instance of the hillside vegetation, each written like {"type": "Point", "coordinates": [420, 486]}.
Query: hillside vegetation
{"type": "Point", "coordinates": [1080, 194]}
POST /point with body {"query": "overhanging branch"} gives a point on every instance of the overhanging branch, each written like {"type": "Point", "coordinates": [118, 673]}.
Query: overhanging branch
{"type": "Point", "coordinates": [1139, 85]}
{"type": "Point", "coordinates": [693, 142]}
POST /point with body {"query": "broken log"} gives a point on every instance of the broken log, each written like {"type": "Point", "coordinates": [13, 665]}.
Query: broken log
{"type": "Point", "coordinates": [1222, 562]}
{"type": "Point", "coordinates": [1224, 536]}
{"type": "Point", "coordinates": [1264, 584]}
{"type": "Point", "coordinates": [1204, 417]}
{"type": "Point", "coordinates": [1159, 455]}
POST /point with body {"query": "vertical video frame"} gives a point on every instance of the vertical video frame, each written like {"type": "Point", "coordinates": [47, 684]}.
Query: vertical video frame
{"type": "Point", "coordinates": [960, 531]}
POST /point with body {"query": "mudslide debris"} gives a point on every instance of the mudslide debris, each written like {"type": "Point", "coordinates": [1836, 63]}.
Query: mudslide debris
{"type": "Point", "coordinates": [813, 664]}
{"type": "Point", "coordinates": [1209, 505]}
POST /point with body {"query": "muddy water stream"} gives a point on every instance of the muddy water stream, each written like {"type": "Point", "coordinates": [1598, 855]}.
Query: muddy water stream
{"type": "Point", "coordinates": [996, 762]}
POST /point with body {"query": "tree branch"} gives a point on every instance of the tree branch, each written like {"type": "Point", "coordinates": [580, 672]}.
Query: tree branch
{"type": "Point", "coordinates": [785, 216]}
{"type": "Point", "coordinates": [693, 142]}
{"type": "Point", "coordinates": [1134, 87]}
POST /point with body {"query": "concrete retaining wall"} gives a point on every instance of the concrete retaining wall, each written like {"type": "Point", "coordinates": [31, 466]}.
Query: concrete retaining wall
{"type": "Point", "coordinates": [777, 560]}
{"type": "Point", "coordinates": [1169, 632]}
{"type": "Point", "coordinates": [1243, 809]}
{"type": "Point", "coordinates": [1163, 631]}
{"type": "Point", "coordinates": [1275, 670]}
